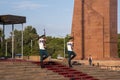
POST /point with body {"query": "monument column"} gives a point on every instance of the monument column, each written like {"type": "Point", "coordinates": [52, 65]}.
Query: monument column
{"type": "Point", "coordinates": [94, 28]}
{"type": "Point", "coordinates": [77, 28]}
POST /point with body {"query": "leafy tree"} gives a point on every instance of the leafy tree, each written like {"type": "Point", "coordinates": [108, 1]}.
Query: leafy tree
{"type": "Point", "coordinates": [55, 46]}
{"type": "Point", "coordinates": [29, 41]}
{"type": "Point", "coordinates": [119, 45]}
{"type": "Point", "coordinates": [17, 41]}
{"type": "Point", "coordinates": [0, 41]}
{"type": "Point", "coordinates": [0, 32]}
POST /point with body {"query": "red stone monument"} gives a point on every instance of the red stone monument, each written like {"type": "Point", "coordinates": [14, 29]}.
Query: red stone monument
{"type": "Point", "coordinates": [94, 29]}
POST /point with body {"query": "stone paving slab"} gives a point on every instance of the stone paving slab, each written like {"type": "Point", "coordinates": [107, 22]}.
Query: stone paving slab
{"type": "Point", "coordinates": [101, 74]}
{"type": "Point", "coordinates": [26, 71]}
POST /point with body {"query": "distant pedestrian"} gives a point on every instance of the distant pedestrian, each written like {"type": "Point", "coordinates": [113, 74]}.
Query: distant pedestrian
{"type": "Point", "coordinates": [42, 47]}
{"type": "Point", "coordinates": [71, 53]}
{"type": "Point", "coordinates": [90, 60]}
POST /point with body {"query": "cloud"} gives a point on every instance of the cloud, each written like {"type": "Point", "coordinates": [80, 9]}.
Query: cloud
{"type": "Point", "coordinates": [25, 5]}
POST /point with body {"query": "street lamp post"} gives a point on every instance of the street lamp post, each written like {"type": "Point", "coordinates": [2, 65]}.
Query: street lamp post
{"type": "Point", "coordinates": [64, 45]}
{"type": "Point", "coordinates": [6, 49]}
{"type": "Point", "coordinates": [31, 46]}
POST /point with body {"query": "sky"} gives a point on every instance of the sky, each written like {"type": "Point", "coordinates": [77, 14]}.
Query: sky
{"type": "Point", "coordinates": [55, 16]}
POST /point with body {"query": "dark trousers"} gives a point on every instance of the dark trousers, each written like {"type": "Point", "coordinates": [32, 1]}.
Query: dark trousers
{"type": "Point", "coordinates": [43, 56]}
{"type": "Point", "coordinates": [90, 62]}
{"type": "Point", "coordinates": [71, 55]}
